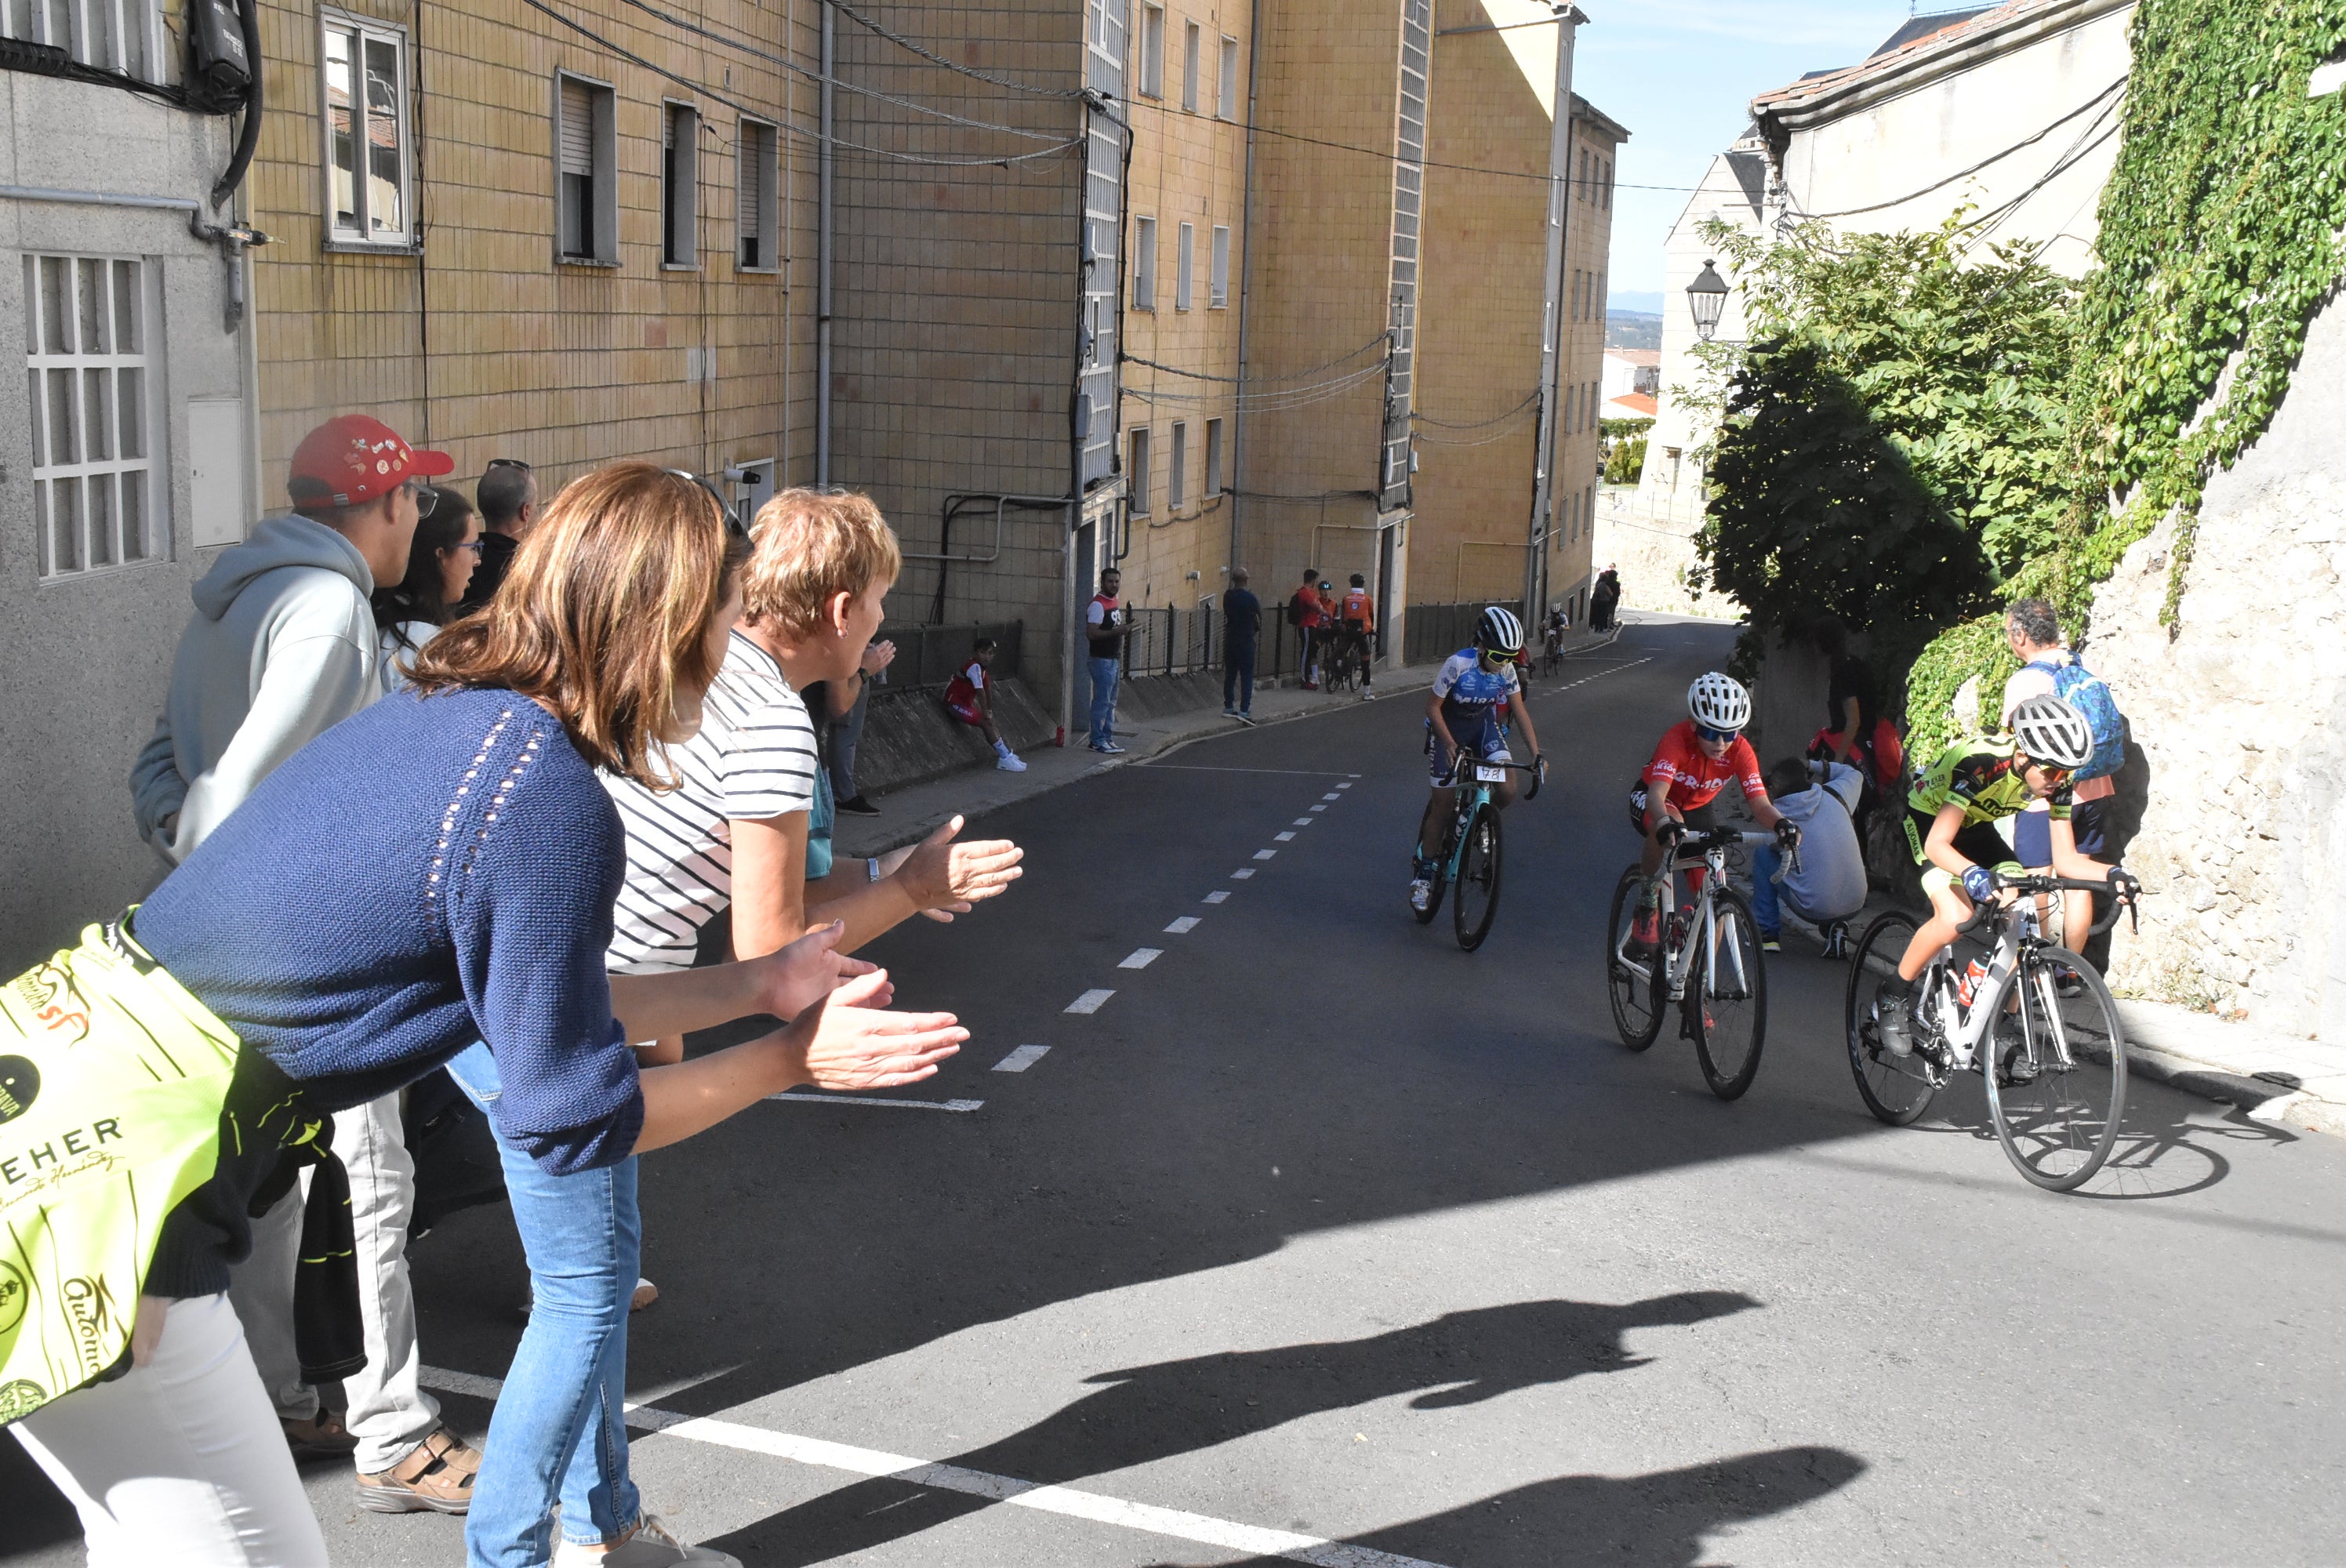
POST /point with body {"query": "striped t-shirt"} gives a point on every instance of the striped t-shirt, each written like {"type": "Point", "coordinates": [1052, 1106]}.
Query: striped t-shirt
{"type": "Point", "coordinates": [753, 758]}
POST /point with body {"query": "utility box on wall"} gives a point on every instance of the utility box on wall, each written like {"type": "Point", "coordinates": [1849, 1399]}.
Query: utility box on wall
{"type": "Point", "coordinates": [219, 505]}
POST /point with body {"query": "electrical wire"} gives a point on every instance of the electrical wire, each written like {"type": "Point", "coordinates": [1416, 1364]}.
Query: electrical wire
{"type": "Point", "coordinates": [936, 59]}
{"type": "Point", "coordinates": [1529, 398]}
{"type": "Point", "coordinates": [1385, 337]}
{"type": "Point", "coordinates": [2097, 99]}
{"type": "Point", "coordinates": [1269, 402]}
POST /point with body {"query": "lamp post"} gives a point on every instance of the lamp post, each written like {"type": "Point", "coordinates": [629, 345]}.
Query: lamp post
{"type": "Point", "coordinates": [1707, 297]}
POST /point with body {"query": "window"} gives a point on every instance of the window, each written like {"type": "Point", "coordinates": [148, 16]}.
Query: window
{"type": "Point", "coordinates": [586, 154]}
{"type": "Point", "coordinates": [364, 126]}
{"type": "Point", "coordinates": [1144, 263]}
{"type": "Point", "coordinates": [89, 325]}
{"type": "Point", "coordinates": [1213, 458]}
{"type": "Point", "coordinates": [1152, 50]}
{"type": "Point", "coordinates": [1135, 478]}
{"type": "Point", "coordinates": [755, 209]}
{"type": "Point", "coordinates": [679, 186]}
{"type": "Point", "coordinates": [1597, 299]}
{"type": "Point", "coordinates": [1583, 192]}
{"type": "Point", "coordinates": [1185, 256]}
{"type": "Point", "coordinates": [1225, 100]}
{"type": "Point", "coordinates": [112, 35]}
{"type": "Point", "coordinates": [1190, 39]}
{"type": "Point", "coordinates": [1220, 298]}
{"type": "Point", "coordinates": [1608, 185]}
{"type": "Point", "coordinates": [1176, 491]}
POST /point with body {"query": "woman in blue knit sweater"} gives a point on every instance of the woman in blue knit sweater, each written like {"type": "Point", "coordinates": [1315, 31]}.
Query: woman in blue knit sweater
{"type": "Point", "coordinates": [440, 868]}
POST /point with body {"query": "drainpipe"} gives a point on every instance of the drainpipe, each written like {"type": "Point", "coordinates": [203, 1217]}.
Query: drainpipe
{"type": "Point", "coordinates": [822, 251]}
{"type": "Point", "coordinates": [1246, 291]}
{"type": "Point", "coordinates": [1559, 215]}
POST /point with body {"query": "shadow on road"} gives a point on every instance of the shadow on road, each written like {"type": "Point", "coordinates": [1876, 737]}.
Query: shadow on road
{"type": "Point", "coordinates": [1144, 1414]}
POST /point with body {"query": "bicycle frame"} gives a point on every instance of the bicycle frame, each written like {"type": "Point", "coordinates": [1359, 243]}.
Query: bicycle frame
{"type": "Point", "coordinates": [1471, 798]}
{"type": "Point", "coordinates": [1709, 854]}
{"type": "Point", "coordinates": [2017, 938]}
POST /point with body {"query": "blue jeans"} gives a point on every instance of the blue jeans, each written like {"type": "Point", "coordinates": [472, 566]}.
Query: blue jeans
{"type": "Point", "coordinates": [559, 1433]}
{"type": "Point", "coordinates": [1104, 673]}
{"type": "Point", "coordinates": [1238, 677]}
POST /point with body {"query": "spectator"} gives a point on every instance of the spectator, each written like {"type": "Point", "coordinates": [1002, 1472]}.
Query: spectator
{"type": "Point", "coordinates": [440, 562]}
{"type": "Point", "coordinates": [844, 705]}
{"type": "Point", "coordinates": [1359, 615]}
{"type": "Point", "coordinates": [507, 494]}
{"type": "Point", "coordinates": [282, 647]}
{"type": "Point", "coordinates": [2031, 630]}
{"type": "Point", "coordinates": [1242, 629]}
{"type": "Point", "coordinates": [1830, 886]}
{"type": "Point", "coordinates": [1304, 614]}
{"type": "Point", "coordinates": [1852, 717]}
{"type": "Point", "coordinates": [970, 699]}
{"type": "Point", "coordinates": [1105, 621]}
{"type": "Point", "coordinates": [1603, 599]}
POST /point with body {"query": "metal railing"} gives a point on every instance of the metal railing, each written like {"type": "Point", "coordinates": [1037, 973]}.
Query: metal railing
{"type": "Point", "coordinates": [1437, 631]}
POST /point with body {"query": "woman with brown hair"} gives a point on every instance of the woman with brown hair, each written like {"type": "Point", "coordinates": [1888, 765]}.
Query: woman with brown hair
{"type": "Point", "coordinates": [436, 870]}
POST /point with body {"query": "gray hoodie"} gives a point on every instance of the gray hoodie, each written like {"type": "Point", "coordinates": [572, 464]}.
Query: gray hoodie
{"type": "Point", "coordinates": [282, 647]}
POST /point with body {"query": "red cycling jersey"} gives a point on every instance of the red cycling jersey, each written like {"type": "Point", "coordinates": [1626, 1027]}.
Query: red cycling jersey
{"type": "Point", "coordinates": [1693, 778]}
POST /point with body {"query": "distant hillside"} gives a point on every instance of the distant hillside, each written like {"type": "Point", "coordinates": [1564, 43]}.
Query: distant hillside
{"type": "Point", "coordinates": [1632, 330]}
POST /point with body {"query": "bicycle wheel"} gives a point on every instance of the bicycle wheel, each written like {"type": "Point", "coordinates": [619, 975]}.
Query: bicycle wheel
{"type": "Point", "coordinates": [2056, 1076]}
{"type": "Point", "coordinates": [1635, 987]}
{"type": "Point", "coordinates": [1730, 1005]}
{"type": "Point", "coordinates": [1478, 897]}
{"type": "Point", "coordinates": [1896, 1089]}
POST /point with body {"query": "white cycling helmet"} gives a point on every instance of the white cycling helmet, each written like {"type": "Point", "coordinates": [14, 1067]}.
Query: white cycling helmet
{"type": "Point", "coordinates": [1499, 631]}
{"type": "Point", "coordinates": [2051, 731]}
{"type": "Point", "coordinates": [1718, 701]}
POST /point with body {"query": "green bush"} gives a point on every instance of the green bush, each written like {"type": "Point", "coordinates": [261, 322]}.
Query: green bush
{"type": "Point", "coordinates": [1626, 464]}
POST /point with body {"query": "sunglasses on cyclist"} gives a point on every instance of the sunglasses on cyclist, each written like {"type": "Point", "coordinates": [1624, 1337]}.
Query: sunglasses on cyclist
{"type": "Point", "coordinates": [1716, 736]}
{"type": "Point", "coordinates": [2055, 776]}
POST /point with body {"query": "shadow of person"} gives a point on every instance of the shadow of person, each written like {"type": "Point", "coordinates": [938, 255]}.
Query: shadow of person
{"type": "Point", "coordinates": [1142, 1414]}
{"type": "Point", "coordinates": [1664, 1520]}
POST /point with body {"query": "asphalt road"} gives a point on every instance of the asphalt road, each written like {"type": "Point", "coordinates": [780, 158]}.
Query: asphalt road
{"type": "Point", "coordinates": [1319, 1230]}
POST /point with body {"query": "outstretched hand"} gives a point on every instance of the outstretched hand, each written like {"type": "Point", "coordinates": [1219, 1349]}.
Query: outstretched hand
{"type": "Point", "coordinates": [800, 976]}
{"type": "Point", "coordinates": [851, 1041]}
{"type": "Point", "coordinates": [946, 878]}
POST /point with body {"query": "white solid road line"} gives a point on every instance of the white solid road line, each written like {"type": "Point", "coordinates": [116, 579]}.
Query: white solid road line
{"type": "Point", "coordinates": [1222, 1533]}
{"type": "Point", "coordinates": [1265, 854]}
{"type": "Point", "coordinates": [1089, 1001]}
{"type": "Point", "coordinates": [960, 1107]}
{"type": "Point", "coordinates": [1183, 926]}
{"type": "Point", "coordinates": [1018, 1061]}
{"type": "Point", "coordinates": [1218, 896]}
{"type": "Point", "coordinates": [1141, 957]}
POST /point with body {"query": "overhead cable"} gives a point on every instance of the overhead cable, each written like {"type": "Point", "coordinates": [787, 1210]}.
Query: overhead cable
{"type": "Point", "coordinates": [1383, 338]}
{"type": "Point", "coordinates": [1993, 158]}
{"type": "Point", "coordinates": [1529, 398]}
{"type": "Point", "coordinates": [936, 59]}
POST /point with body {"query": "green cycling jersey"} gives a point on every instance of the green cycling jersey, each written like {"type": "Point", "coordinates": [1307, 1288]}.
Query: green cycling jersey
{"type": "Point", "coordinates": [1982, 775]}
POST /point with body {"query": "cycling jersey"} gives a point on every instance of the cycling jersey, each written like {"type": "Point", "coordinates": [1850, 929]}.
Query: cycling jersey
{"type": "Point", "coordinates": [1356, 608]}
{"type": "Point", "coordinates": [1982, 776]}
{"type": "Point", "coordinates": [1474, 699]}
{"type": "Point", "coordinates": [1694, 778]}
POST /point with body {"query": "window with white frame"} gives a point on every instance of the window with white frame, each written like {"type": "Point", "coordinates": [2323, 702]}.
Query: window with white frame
{"type": "Point", "coordinates": [1218, 278]}
{"type": "Point", "coordinates": [679, 186]}
{"type": "Point", "coordinates": [1192, 41]}
{"type": "Point", "coordinates": [1185, 257]}
{"type": "Point", "coordinates": [1176, 476]}
{"type": "Point", "coordinates": [756, 209]}
{"type": "Point", "coordinates": [1152, 50]}
{"type": "Point", "coordinates": [90, 329]}
{"type": "Point", "coordinates": [1225, 100]}
{"type": "Point", "coordinates": [111, 35]}
{"type": "Point", "coordinates": [1213, 458]}
{"type": "Point", "coordinates": [1136, 474]}
{"type": "Point", "coordinates": [1144, 263]}
{"type": "Point", "coordinates": [586, 157]}
{"type": "Point", "coordinates": [369, 201]}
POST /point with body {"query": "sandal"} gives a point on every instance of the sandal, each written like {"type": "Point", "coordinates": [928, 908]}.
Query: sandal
{"type": "Point", "coordinates": [437, 1477]}
{"type": "Point", "coordinates": [322, 1436]}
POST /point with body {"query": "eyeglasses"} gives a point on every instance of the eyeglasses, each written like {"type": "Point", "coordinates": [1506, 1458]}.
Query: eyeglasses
{"type": "Point", "coordinates": [424, 496]}
{"type": "Point", "coordinates": [1716, 736]}
{"type": "Point", "coordinates": [475, 545]}
{"type": "Point", "coordinates": [509, 462]}
{"type": "Point", "coordinates": [2054, 777]}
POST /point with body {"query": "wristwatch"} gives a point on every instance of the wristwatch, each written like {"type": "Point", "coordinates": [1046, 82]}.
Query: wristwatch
{"type": "Point", "coordinates": [874, 866]}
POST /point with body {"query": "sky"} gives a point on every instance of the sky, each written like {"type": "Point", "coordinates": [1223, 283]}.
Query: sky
{"type": "Point", "coordinates": [1680, 73]}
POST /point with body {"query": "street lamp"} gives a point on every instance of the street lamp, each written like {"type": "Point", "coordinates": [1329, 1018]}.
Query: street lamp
{"type": "Point", "coordinates": [1707, 297]}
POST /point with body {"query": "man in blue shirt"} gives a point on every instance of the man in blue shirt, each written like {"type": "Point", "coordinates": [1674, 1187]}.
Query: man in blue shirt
{"type": "Point", "coordinates": [1241, 626]}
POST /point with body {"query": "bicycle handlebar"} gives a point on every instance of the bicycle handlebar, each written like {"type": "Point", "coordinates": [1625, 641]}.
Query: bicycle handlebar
{"type": "Point", "coordinates": [1536, 768]}
{"type": "Point", "coordinates": [2121, 892]}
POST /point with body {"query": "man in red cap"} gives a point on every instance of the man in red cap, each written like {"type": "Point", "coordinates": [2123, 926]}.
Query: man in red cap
{"type": "Point", "coordinates": [282, 647]}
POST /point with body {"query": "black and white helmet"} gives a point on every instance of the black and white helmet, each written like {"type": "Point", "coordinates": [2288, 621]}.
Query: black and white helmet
{"type": "Point", "coordinates": [2053, 732]}
{"type": "Point", "coordinates": [1718, 701]}
{"type": "Point", "coordinates": [1499, 631]}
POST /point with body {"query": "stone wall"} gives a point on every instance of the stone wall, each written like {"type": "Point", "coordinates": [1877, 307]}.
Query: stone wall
{"type": "Point", "coordinates": [1652, 555]}
{"type": "Point", "coordinates": [2239, 717]}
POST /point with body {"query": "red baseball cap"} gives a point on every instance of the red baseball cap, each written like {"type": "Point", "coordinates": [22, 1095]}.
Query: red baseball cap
{"type": "Point", "coordinates": [351, 459]}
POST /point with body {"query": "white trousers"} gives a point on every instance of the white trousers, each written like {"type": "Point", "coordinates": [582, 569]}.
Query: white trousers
{"type": "Point", "coordinates": [389, 1412]}
{"type": "Point", "coordinates": [181, 1460]}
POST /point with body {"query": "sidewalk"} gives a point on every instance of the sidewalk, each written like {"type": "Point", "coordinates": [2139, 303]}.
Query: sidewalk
{"type": "Point", "coordinates": [2273, 1077]}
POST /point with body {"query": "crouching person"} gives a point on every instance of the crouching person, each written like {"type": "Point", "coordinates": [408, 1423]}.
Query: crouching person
{"type": "Point", "coordinates": [1829, 887]}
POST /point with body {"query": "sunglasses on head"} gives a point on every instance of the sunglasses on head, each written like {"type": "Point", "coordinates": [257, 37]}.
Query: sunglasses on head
{"type": "Point", "coordinates": [1716, 736]}
{"type": "Point", "coordinates": [509, 462]}
{"type": "Point", "coordinates": [725, 508]}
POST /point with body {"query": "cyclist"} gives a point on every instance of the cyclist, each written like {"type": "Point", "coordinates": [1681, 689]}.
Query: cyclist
{"type": "Point", "coordinates": [1358, 614]}
{"type": "Point", "coordinates": [1476, 689]}
{"type": "Point", "coordinates": [1952, 811]}
{"type": "Point", "coordinates": [1697, 757]}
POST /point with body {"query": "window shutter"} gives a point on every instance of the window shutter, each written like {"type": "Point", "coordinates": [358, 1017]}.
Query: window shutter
{"type": "Point", "coordinates": [577, 128]}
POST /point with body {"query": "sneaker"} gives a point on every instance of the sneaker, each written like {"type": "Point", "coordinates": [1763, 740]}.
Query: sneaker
{"type": "Point", "coordinates": [1836, 940]}
{"type": "Point", "coordinates": [2068, 982]}
{"type": "Point", "coordinates": [1245, 718]}
{"type": "Point", "coordinates": [855, 805]}
{"type": "Point", "coordinates": [1311, 686]}
{"type": "Point", "coordinates": [1229, 713]}
{"type": "Point", "coordinates": [1645, 935]}
{"type": "Point", "coordinates": [651, 1545]}
{"type": "Point", "coordinates": [1771, 941]}
{"type": "Point", "coordinates": [1421, 895]}
{"type": "Point", "coordinates": [1893, 1016]}
{"type": "Point", "coordinates": [1109, 748]}
{"type": "Point", "coordinates": [1010, 762]}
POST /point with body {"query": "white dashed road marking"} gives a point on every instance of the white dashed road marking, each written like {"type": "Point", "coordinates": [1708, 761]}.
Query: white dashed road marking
{"type": "Point", "coordinates": [1265, 854]}
{"type": "Point", "coordinates": [1183, 926]}
{"type": "Point", "coordinates": [1242, 873]}
{"type": "Point", "coordinates": [1141, 957]}
{"type": "Point", "coordinates": [1319, 807]}
{"type": "Point", "coordinates": [1331, 796]}
{"type": "Point", "coordinates": [1089, 1001]}
{"type": "Point", "coordinates": [1283, 839]}
{"type": "Point", "coordinates": [1218, 896]}
{"type": "Point", "coordinates": [1018, 1061]}
{"type": "Point", "coordinates": [1301, 822]}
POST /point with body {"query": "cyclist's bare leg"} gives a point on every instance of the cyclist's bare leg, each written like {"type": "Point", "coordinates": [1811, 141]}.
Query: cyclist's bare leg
{"type": "Point", "coordinates": [1439, 805]}
{"type": "Point", "coordinates": [1949, 908]}
{"type": "Point", "coordinates": [1649, 859]}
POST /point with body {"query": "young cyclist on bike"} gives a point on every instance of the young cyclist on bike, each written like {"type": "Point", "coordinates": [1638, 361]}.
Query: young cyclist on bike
{"type": "Point", "coordinates": [1357, 612]}
{"type": "Point", "coordinates": [1697, 757]}
{"type": "Point", "coordinates": [1475, 691]}
{"type": "Point", "coordinates": [1952, 811]}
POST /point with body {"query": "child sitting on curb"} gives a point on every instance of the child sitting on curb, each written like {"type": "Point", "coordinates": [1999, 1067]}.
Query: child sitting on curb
{"type": "Point", "coordinates": [970, 699]}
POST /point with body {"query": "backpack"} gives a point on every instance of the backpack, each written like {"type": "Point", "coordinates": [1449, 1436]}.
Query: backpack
{"type": "Point", "coordinates": [1295, 608]}
{"type": "Point", "coordinates": [2089, 694]}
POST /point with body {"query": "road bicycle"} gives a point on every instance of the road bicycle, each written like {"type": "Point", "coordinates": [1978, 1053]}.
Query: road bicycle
{"type": "Point", "coordinates": [1724, 1011]}
{"type": "Point", "coordinates": [1551, 654]}
{"type": "Point", "coordinates": [2034, 1021]}
{"type": "Point", "coordinates": [1470, 846]}
{"type": "Point", "coordinates": [1342, 658]}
